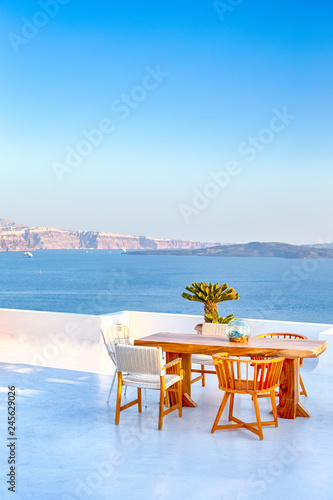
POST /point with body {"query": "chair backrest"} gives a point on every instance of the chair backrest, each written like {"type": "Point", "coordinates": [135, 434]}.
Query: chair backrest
{"type": "Point", "coordinates": [137, 359]}
{"type": "Point", "coordinates": [216, 329]}
{"type": "Point", "coordinates": [263, 375]}
{"type": "Point", "coordinates": [115, 334]}
{"type": "Point", "coordinates": [282, 336]}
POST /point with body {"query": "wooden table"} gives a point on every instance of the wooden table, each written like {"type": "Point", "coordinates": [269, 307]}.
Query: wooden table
{"type": "Point", "coordinates": [183, 345]}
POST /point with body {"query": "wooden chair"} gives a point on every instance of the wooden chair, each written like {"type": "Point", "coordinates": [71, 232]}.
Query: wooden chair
{"type": "Point", "coordinates": [286, 336]}
{"type": "Point", "coordinates": [203, 360]}
{"type": "Point", "coordinates": [112, 335]}
{"type": "Point", "coordinates": [142, 367]}
{"type": "Point", "coordinates": [240, 376]}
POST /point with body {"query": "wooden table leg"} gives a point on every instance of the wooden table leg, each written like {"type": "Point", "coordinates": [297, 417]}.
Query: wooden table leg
{"type": "Point", "coordinates": [289, 393]}
{"type": "Point", "coordinates": [186, 365]}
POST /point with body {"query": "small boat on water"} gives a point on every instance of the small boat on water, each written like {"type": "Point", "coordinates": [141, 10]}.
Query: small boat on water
{"type": "Point", "coordinates": [28, 254]}
{"type": "Point", "coordinates": [123, 250]}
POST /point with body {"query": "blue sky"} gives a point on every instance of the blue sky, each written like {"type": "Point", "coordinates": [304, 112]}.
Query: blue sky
{"type": "Point", "coordinates": [120, 116]}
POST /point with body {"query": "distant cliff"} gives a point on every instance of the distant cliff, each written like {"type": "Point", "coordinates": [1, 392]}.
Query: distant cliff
{"type": "Point", "coordinates": [16, 237]}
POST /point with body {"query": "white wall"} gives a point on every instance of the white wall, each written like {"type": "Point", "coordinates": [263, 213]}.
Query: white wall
{"type": "Point", "coordinates": [310, 330]}
{"type": "Point", "coordinates": [326, 359]}
{"type": "Point", "coordinates": [146, 323]}
{"type": "Point", "coordinates": [38, 325]}
{"type": "Point", "coordinates": [143, 324]}
{"type": "Point", "coordinates": [73, 341]}
{"type": "Point", "coordinates": [58, 340]}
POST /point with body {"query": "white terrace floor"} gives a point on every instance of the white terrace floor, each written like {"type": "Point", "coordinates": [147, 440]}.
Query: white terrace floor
{"type": "Point", "coordinates": [69, 447]}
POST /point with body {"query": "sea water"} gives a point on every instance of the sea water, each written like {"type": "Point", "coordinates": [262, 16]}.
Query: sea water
{"type": "Point", "coordinates": [100, 281]}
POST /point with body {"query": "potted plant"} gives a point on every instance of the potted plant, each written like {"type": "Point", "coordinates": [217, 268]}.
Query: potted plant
{"type": "Point", "coordinates": [211, 295]}
{"type": "Point", "coordinates": [215, 318]}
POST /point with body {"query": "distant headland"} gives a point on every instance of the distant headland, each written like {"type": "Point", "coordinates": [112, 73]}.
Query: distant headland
{"type": "Point", "coordinates": [254, 249]}
{"type": "Point", "coordinates": [19, 238]}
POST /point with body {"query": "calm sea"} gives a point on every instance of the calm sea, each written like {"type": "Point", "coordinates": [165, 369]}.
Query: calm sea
{"type": "Point", "coordinates": [100, 282]}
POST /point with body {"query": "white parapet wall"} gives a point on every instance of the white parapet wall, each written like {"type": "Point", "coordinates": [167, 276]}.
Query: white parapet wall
{"type": "Point", "coordinates": [146, 323]}
{"type": "Point", "coordinates": [58, 340]}
{"type": "Point", "coordinates": [310, 330]}
{"type": "Point", "coordinates": [326, 360]}
{"type": "Point", "coordinates": [142, 324]}
{"type": "Point", "coordinates": [73, 341]}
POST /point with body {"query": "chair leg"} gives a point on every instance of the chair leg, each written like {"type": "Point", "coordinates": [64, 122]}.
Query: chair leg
{"type": "Point", "coordinates": [231, 406]}
{"type": "Point", "coordinates": [303, 392]}
{"type": "Point", "coordinates": [180, 398]}
{"type": "Point", "coordinates": [220, 411]}
{"type": "Point", "coordinates": [112, 384]}
{"type": "Point", "coordinates": [160, 413]}
{"type": "Point", "coordinates": [273, 396]}
{"type": "Point", "coordinates": [203, 376]}
{"type": "Point", "coordinates": [256, 408]}
{"type": "Point", "coordinates": [125, 390]}
{"type": "Point", "coordinates": [120, 386]}
{"type": "Point", "coordinates": [139, 400]}
{"type": "Point", "coordinates": [145, 398]}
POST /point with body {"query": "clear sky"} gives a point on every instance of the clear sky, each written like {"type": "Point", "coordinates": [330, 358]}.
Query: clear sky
{"type": "Point", "coordinates": [179, 119]}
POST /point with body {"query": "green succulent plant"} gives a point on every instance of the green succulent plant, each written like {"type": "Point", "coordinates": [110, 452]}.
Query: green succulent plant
{"type": "Point", "coordinates": [210, 295]}
{"type": "Point", "coordinates": [215, 318]}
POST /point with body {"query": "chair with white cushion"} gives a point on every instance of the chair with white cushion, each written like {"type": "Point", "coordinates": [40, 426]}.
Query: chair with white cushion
{"type": "Point", "coordinates": [212, 329]}
{"type": "Point", "coordinates": [112, 335]}
{"type": "Point", "coordinates": [143, 368]}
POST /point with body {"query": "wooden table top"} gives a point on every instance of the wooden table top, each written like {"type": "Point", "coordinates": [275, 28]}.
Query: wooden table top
{"type": "Point", "coordinates": [203, 344]}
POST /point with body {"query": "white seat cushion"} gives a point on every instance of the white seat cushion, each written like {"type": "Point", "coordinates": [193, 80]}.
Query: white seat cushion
{"type": "Point", "coordinates": [202, 359]}
{"type": "Point", "coordinates": [149, 381]}
{"type": "Point", "coordinates": [215, 329]}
